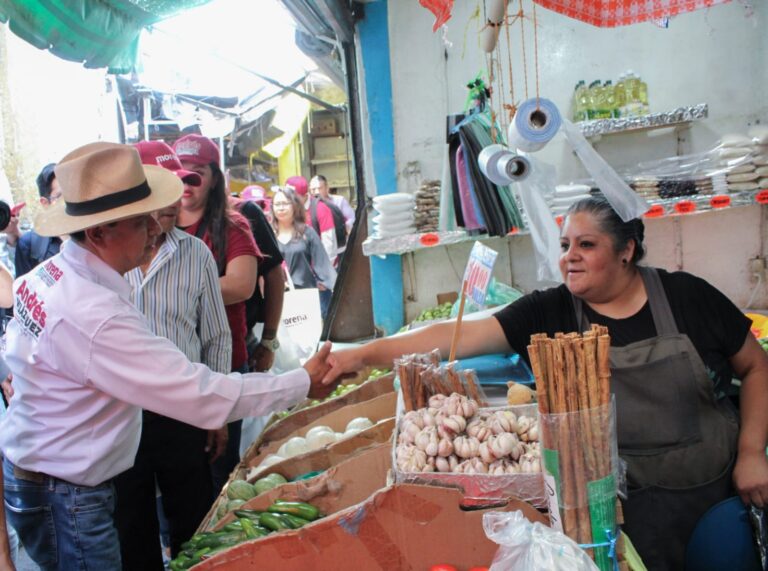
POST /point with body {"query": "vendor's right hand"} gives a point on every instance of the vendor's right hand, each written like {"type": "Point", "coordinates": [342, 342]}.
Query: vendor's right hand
{"type": "Point", "coordinates": [7, 388]}
{"type": "Point", "coordinates": [343, 363]}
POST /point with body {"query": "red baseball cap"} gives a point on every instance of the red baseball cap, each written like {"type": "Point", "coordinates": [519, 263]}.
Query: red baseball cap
{"type": "Point", "coordinates": [197, 149]}
{"type": "Point", "coordinates": [297, 183]}
{"type": "Point", "coordinates": [160, 154]}
{"type": "Point", "coordinates": [253, 192]}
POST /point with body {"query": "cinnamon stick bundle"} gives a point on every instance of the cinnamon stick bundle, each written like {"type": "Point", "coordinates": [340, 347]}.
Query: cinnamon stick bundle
{"type": "Point", "coordinates": [572, 374]}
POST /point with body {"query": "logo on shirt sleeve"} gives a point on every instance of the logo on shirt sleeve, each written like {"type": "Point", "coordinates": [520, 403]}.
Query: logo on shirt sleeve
{"type": "Point", "coordinates": [29, 310]}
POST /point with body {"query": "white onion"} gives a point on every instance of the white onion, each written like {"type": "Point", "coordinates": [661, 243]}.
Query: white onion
{"type": "Point", "coordinates": [350, 432]}
{"type": "Point", "coordinates": [269, 460]}
{"type": "Point", "coordinates": [320, 439]}
{"type": "Point", "coordinates": [293, 447]}
{"type": "Point", "coordinates": [316, 430]}
{"type": "Point", "coordinates": [360, 422]}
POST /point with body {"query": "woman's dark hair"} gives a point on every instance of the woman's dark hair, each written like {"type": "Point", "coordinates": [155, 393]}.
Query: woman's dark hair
{"type": "Point", "coordinates": [217, 216]}
{"type": "Point", "coordinates": [299, 212]}
{"type": "Point", "coordinates": [611, 223]}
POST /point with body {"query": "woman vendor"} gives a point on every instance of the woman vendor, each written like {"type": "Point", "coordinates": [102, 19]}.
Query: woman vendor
{"type": "Point", "coordinates": [676, 342]}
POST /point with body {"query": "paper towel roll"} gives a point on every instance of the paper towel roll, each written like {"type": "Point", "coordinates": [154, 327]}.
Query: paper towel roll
{"type": "Point", "coordinates": [501, 166]}
{"type": "Point", "coordinates": [536, 122]}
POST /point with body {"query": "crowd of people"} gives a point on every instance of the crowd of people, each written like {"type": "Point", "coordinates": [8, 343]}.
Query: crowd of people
{"type": "Point", "coordinates": [146, 319]}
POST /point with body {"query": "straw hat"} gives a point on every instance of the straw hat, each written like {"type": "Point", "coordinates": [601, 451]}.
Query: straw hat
{"type": "Point", "coordinates": [105, 182]}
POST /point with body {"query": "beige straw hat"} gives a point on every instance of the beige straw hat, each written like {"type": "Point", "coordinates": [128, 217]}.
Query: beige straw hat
{"type": "Point", "coordinates": [105, 182]}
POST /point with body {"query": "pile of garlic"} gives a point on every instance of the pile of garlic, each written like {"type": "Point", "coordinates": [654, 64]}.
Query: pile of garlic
{"type": "Point", "coordinates": [453, 435]}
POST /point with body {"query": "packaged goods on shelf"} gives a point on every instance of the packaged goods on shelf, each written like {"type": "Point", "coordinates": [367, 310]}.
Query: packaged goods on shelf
{"type": "Point", "coordinates": [428, 206]}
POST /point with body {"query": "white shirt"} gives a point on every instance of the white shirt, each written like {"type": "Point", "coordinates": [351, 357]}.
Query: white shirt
{"type": "Point", "coordinates": [85, 363]}
{"type": "Point", "coordinates": [181, 298]}
{"type": "Point", "coordinates": [346, 209]}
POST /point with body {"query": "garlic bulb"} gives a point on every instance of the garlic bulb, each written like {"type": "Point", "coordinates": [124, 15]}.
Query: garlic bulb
{"type": "Point", "coordinates": [452, 425]}
{"type": "Point", "coordinates": [478, 428]}
{"type": "Point", "coordinates": [503, 421]}
{"type": "Point", "coordinates": [445, 447]}
{"type": "Point", "coordinates": [505, 444]}
{"type": "Point", "coordinates": [437, 401]}
{"type": "Point", "coordinates": [466, 446]}
{"type": "Point", "coordinates": [442, 464]}
{"type": "Point", "coordinates": [486, 454]}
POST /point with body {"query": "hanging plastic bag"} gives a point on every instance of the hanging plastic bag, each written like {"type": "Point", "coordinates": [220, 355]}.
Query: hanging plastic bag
{"type": "Point", "coordinates": [301, 324]}
{"type": "Point", "coordinates": [545, 234]}
{"type": "Point", "coordinates": [626, 202]}
{"type": "Point", "coordinates": [525, 545]}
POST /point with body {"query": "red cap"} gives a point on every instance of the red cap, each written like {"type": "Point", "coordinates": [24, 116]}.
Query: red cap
{"type": "Point", "coordinates": [197, 149]}
{"type": "Point", "coordinates": [297, 183]}
{"type": "Point", "coordinates": [160, 154]}
{"type": "Point", "coordinates": [253, 192]}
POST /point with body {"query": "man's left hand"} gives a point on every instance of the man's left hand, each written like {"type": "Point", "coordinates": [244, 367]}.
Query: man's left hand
{"type": "Point", "coordinates": [217, 443]}
{"type": "Point", "coordinates": [750, 476]}
{"type": "Point", "coordinates": [261, 360]}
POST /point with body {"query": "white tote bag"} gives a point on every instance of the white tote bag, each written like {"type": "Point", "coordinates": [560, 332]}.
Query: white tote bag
{"type": "Point", "coordinates": [300, 327]}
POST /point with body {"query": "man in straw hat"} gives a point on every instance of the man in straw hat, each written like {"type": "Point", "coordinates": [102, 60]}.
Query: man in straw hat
{"type": "Point", "coordinates": [85, 363]}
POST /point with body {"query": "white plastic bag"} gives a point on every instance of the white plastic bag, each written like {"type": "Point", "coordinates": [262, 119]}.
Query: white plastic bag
{"type": "Point", "coordinates": [301, 324]}
{"type": "Point", "coordinates": [526, 546]}
{"type": "Point", "coordinates": [544, 231]}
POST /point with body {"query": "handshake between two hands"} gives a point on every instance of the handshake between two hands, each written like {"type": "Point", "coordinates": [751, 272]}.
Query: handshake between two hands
{"type": "Point", "coordinates": [326, 370]}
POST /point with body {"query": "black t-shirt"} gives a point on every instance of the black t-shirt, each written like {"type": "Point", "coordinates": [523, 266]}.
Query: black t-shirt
{"type": "Point", "coordinates": [713, 323]}
{"type": "Point", "coordinates": [267, 243]}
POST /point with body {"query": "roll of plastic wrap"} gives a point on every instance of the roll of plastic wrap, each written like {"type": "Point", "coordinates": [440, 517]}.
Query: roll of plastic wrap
{"type": "Point", "coordinates": [501, 166]}
{"type": "Point", "coordinates": [536, 122]}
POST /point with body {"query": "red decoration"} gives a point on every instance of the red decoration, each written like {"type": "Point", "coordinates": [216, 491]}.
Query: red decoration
{"type": "Point", "coordinates": [612, 13]}
{"type": "Point", "coordinates": [441, 9]}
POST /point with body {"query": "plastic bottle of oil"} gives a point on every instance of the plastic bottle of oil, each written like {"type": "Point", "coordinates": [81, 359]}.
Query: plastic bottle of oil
{"type": "Point", "coordinates": [632, 87]}
{"type": "Point", "coordinates": [595, 93]}
{"type": "Point", "coordinates": [584, 101]}
{"type": "Point", "coordinates": [620, 97]}
{"type": "Point", "coordinates": [609, 100]}
{"type": "Point", "coordinates": [642, 96]}
{"type": "Point", "coordinates": [579, 112]}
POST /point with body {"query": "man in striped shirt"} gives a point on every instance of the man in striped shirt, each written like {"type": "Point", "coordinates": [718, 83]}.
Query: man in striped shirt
{"type": "Point", "coordinates": [178, 292]}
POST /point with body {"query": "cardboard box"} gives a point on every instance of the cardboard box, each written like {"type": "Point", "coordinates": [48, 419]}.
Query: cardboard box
{"type": "Point", "coordinates": [381, 407]}
{"type": "Point", "coordinates": [290, 424]}
{"type": "Point", "coordinates": [376, 409]}
{"type": "Point", "coordinates": [324, 458]}
{"type": "Point", "coordinates": [346, 484]}
{"type": "Point", "coordinates": [400, 528]}
{"type": "Point", "coordinates": [316, 460]}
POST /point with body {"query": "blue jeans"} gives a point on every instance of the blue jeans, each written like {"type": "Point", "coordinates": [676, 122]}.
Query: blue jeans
{"type": "Point", "coordinates": [63, 526]}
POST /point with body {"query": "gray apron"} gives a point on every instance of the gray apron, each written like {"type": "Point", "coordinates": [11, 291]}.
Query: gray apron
{"type": "Point", "coordinates": [677, 439]}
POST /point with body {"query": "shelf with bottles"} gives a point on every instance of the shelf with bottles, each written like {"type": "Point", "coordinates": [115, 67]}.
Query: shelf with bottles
{"type": "Point", "coordinates": [397, 245]}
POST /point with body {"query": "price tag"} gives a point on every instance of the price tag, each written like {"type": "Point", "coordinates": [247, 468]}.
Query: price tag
{"type": "Point", "coordinates": [477, 275]}
{"type": "Point", "coordinates": [550, 487]}
{"type": "Point", "coordinates": [762, 197]}
{"type": "Point", "coordinates": [720, 201]}
{"type": "Point", "coordinates": [685, 206]}
{"type": "Point", "coordinates": [655, 211]}
{"type": "Point", "coordinates": [430, 239]}
{"type": "Point", "coordinates": [559, 219]}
